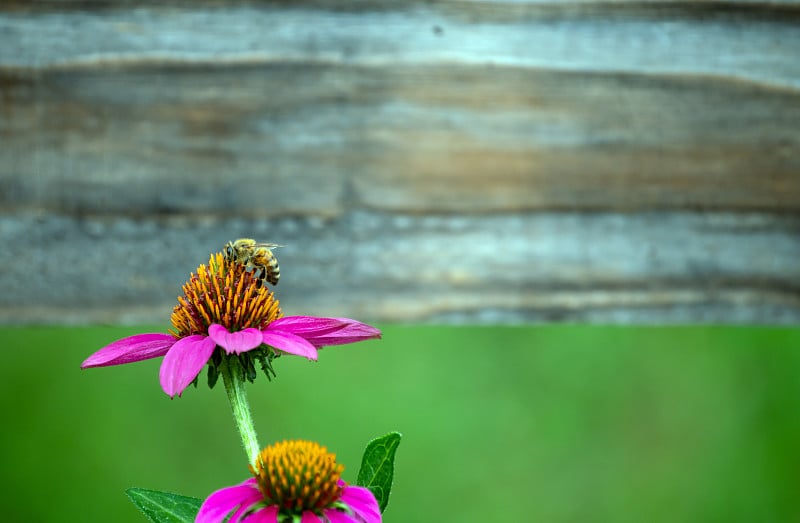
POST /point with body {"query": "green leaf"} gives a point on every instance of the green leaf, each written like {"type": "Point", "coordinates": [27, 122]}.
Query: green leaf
{"type": "Point", "coordinates": [213, 376]}
{"type": "Point", "coordinates": [164, 507]}
{"type": "Point", "coordinates": [377, 467]}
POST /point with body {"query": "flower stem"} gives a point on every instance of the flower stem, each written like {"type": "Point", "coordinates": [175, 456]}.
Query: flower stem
{"type": "Point", "coordinates": [234, 385]}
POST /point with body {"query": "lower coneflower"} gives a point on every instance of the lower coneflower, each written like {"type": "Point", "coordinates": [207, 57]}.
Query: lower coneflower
{"type": "Point", "coordinates": [226, 314]}
{"type": "Point", "coordinates": [294, 481]}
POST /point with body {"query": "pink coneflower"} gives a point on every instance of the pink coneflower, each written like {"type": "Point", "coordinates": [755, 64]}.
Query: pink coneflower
{"type": "Point", "coordinates": [227, 317]}
{"type": "Point", "coordinates": [297, 481]}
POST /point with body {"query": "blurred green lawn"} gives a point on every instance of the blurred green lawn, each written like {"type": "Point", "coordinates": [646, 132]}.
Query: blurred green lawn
{"type": "Point", "coordinates": [555, 423]}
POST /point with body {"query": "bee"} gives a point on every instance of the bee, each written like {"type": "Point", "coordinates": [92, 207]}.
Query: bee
{"type": "Point", "coordinates": [258, 256]}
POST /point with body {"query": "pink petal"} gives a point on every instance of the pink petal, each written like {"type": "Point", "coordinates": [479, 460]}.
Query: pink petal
{"type": "Point", "coordinates": [337, 516]}
{"type": "Point", "coordinates": [220, 503]}
{"type": "Point", "coordinates": [351, 332]}
{"type": "Point", "coordinates": [306, 326]}
{"type": "Point", "coordinates": [363, 503]}
{"type": "Point", "coordinates": [310, 517]}
{"type": "Point", "coordinates": [288, 342]}
{"type": "Point", "coordinates": [128, 350]}
{"type": "Point", "coordinates": [264, 515]}
{"type": "Point", "coordinates": [183, 362]}
{"type": "Point", "coordinates": [235, 342]}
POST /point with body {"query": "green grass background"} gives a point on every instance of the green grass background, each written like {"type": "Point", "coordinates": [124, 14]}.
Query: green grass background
{"type": "Point", "coordinates": [553, 423]}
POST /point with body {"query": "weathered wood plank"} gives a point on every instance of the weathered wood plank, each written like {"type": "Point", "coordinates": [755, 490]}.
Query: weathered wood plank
{"type": "Point", "coordinates": [434, 161]}
{"type": "Point", "coordinates": [319, 139]}
{"type": "Point", "coordinates": [530, 140]}
{"type": "Point", "coordinates": [666, 105]}
{"type": "Point", "coordinates": [638, 37]}
{"type": "Point", "coordinates": [649, 267]}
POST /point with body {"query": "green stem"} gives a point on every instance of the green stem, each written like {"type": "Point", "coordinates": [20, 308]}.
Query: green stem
{"type": "Point", "coordinates": [234, 386]}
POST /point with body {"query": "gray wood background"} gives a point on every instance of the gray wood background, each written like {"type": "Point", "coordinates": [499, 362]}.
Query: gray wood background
{"type": "Point", "coordinates": [435, 161]}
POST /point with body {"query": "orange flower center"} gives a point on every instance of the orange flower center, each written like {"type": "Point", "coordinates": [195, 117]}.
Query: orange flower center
{"type": "Point", "coordinates": [223, 292]}
{"type": "Point", "coordinates": [298, 475]}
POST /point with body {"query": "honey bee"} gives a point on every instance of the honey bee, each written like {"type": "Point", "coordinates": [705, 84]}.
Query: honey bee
{"type": "Point", "coordinates": [258, 256]}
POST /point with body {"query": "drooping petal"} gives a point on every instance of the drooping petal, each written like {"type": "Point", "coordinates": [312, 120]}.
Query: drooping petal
{"type": "Point", "coordinates": [183, 362]}
{"type": "Point", "coordinates": [128, 350]}
{"type": "Point", "coordinates": [235, 342]}
{"type": "Point", "coordinates": [363, 503]}
{"type": "Point", "coordinates": [264, 515]}
{"type": "Point", "coordinates": [337, 516]}
{"type": "Point", "coordinates": [307, 326]}
{"type": "Point", "coordinates": [310, 517]}
{"type": "Point", "coordinates": [220, 503]}
{"type": "Point", "coordinates": [351, 332]}
{"type": "Point", "coordinates": [288, 342]}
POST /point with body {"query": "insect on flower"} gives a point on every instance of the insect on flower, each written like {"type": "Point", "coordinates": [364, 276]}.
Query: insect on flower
{"type": "Point", "coordinates": [258, 256]}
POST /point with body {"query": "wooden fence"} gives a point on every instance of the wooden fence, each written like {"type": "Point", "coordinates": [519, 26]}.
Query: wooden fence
{"type": "Point", "coordinates": [449, 161]}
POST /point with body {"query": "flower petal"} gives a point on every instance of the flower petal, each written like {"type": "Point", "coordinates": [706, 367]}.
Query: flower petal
{"type": "Point", "coordinates": [235, 342]}
{"type": "Point", "coordinates": [288, 342]}
{"type": "Point", "coordinates": [128, 350]}
{"type": "Point", "coordinates": [351, 332]}
{"type": "Point", "coordinates": [263, 515]}
{"type": "Point", "coordinates": [310, 517]}
{"type": "Point", "coordinates": [220, 503]}
{"type": "Point", "coordinates": [362, 502]}
{"type": "Point", "coordinates": [307, 326]}
{"type": "Point", "coordinates": [337, 516]}
{"type": "Point", "coordinates": [183, 362]}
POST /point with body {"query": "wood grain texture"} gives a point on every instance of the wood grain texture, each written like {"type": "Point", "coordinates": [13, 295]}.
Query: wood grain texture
{"type": "Point", "coordinates": [754, 42]}
{"type": "Point", "coordinates": [428, 161]}
{"type": "Point", "coordinates": [409, 139]}
{"type": "Point", "coordinates": [609, 267]}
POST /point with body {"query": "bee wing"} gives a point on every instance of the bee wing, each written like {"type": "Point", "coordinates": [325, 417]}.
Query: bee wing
{"type": "Point", "coordinates": [269, 245]}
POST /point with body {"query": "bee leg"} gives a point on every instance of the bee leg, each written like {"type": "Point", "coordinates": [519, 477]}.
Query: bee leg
{"type": "Point", "coordinates": [258, 274]}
